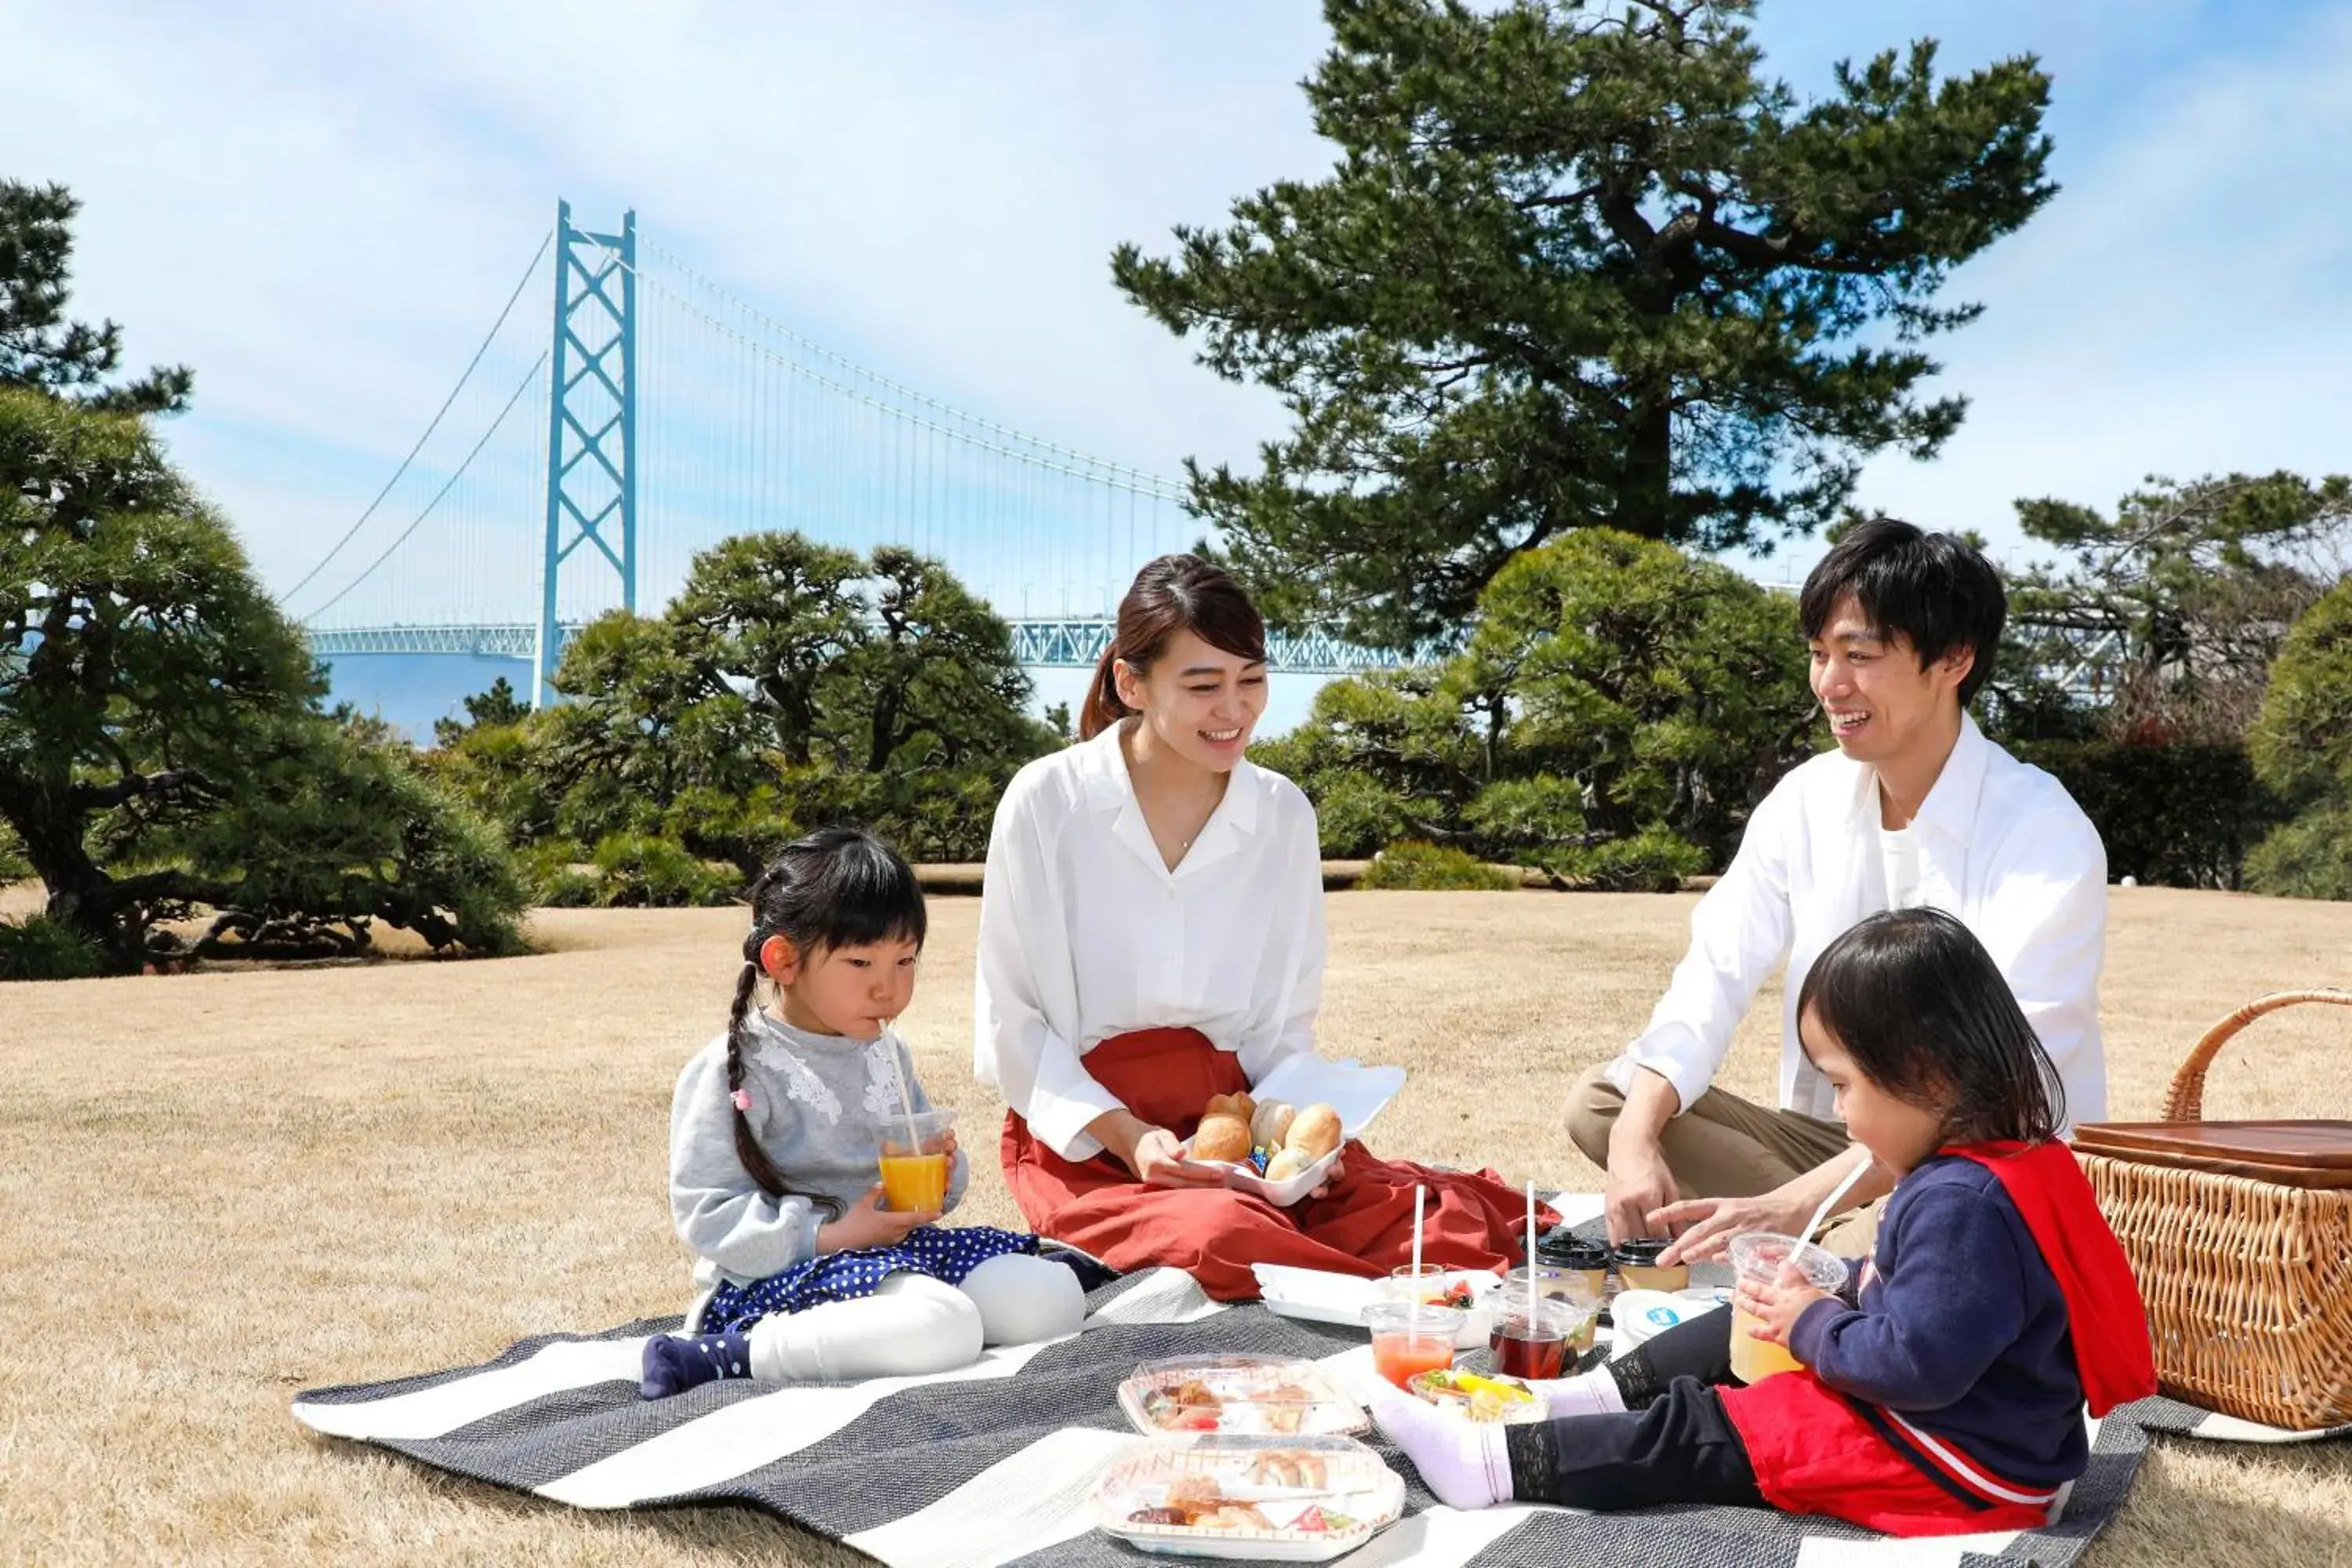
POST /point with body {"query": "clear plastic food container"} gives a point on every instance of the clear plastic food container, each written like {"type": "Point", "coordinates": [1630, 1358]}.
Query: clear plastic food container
{"type": "Point", "coordinates": [1268, 1500]}
{"type": "Point", "coordinates": [1273, 1396]}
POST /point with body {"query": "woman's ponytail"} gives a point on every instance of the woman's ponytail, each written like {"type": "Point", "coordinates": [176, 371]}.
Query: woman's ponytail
{"type": "Point", "coordinates": [1103, 708]}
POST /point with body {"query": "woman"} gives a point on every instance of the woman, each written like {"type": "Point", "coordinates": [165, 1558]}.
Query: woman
{"type": "Point", "coordinates": [1150, 935]}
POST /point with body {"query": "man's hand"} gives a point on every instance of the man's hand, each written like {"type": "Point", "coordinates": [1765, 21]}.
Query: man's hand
{"type": "Point", "coordinates": [1639, 1187]}
{"type": "Point", "coordinates": [1775, 1306]}
{"type": "Point", "coordinates": [947, 1142]}
{"type": "Point", "coordinates": [867, 1224]}
{"type": "Point", "coordinates": [1702, 1227]}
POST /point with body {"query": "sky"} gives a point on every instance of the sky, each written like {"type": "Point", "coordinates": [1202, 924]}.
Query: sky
{"type": "Point", "coordinates": [322, 208]}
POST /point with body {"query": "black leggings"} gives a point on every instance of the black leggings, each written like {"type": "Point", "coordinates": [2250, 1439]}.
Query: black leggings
{"type": "Point", "coordinates": [1673, 1442]}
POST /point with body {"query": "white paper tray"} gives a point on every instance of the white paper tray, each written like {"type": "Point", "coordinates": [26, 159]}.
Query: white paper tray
{"type": "Point", "coordinates": [1360, 1485]}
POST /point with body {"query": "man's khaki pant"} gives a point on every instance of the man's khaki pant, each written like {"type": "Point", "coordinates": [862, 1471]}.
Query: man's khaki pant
{"type": "Point", "coordinates": [1727, 1147]}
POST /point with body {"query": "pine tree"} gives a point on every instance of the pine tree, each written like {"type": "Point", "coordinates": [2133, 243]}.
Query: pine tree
{"type": "Point", "coordinates": [39, 348]}
{"type": "Point", "coordinates": [1582, 264]}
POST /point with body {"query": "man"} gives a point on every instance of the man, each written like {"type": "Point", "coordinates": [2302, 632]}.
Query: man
{"type": "Point", "coordinates": [1914, 806]}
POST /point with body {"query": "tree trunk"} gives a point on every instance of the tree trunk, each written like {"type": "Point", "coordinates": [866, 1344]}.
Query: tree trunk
{"type": "Point", "coordinates": [1644, 506]}
{"type": "Point", "coordinates": [76, 887]}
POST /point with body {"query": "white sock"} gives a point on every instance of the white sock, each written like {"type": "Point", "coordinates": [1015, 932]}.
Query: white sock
{"type": "Point", "coordinates": [1466, 1462]}
{"type": "Point", "coordinates": [1024, 1299]}
{"type": "Point", "coordinates": [912, 1324]}
{"type": "Point", "coordinates": [1593, 1393]}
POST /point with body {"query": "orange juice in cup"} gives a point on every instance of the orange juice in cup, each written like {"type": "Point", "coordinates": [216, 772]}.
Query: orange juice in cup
{"type": "Point", "coordinates": [1759, 1256]}
{"type": "Point", "coordinates": [913, 1163]}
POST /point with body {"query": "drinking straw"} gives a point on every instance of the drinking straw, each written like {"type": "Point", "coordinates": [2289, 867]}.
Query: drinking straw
{"type": "Point", "coordinates": [1531, 1255]}
{"type": "Point", "coordinates": [1412, 1333]}
{"type": "Point", "coordinates": [906, 1095]}
{"type": "Point", "coordinates": [1829, 1202]}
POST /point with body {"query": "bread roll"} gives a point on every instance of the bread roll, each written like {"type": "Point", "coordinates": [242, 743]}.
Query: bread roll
{"type": "Point", "coordinates": [1271, 1124]}
{"type": "Point", "coordinates": [1224, 1138]}
{"type": "Point", "coordinates": [1287, 1164]}
{"type": "Point", "coordinates": [1313, 1133]}
{"type": "Point", "coordinates": [1238, 1105]}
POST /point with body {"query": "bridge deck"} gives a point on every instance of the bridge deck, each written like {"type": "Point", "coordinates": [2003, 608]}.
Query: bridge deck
{"type": "Point", "coordinates": [1061, 644]}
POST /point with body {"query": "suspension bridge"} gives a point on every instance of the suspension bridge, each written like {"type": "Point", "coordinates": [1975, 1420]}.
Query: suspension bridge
{"type": "Point", "coordinates": [582, 460]}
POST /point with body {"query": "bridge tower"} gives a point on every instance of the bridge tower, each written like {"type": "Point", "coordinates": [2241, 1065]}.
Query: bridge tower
{"type": "Point", "coordinates": [592, 419]}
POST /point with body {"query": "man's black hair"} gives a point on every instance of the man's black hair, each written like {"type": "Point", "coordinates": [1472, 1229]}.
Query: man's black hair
{"type": "Point", "coordinates": [1937, 591]}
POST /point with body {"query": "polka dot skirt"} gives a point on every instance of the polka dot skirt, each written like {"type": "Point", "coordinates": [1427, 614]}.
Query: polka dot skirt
{"type": "Point", "coordinates": [945, 1253]}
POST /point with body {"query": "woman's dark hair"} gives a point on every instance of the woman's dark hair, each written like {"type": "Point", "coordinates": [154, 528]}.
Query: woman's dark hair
{"type": "Point", "coordinates": [1938, 591]}
{"type": "Point", "coordinates": [1174, 593]}
{"type": "Point", "coordinates": [1917, 1003]}
{"type": "Point", "coordinates": [838, 887]}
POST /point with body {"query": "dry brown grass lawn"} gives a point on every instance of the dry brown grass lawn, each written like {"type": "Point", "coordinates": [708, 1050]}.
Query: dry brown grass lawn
{"type": "Point", "coordinates": [222, 1188]}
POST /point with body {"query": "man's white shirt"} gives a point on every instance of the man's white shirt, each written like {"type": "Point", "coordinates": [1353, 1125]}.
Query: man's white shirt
{"type": "Point", "coordinates": [1997, 842]}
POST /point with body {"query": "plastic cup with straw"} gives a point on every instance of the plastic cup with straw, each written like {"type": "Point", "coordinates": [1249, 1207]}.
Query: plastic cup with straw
{"type": "Point", "coordinates": [914, 1176]}
{"type": "Point", "coordinates": [1411, 1337]}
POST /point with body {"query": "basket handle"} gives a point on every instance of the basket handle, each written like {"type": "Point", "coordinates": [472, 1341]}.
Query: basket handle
{"type": "Point", "coordinates": [2185, 1101]}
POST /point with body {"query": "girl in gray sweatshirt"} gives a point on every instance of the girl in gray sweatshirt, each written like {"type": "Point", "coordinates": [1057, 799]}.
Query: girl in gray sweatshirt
{"type": "Point", "coordinates": [776, 1131]}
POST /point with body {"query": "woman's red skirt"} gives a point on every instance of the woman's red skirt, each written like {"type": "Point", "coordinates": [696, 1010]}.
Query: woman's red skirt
{"type": "Point", "coordinates": [1363, 1225]}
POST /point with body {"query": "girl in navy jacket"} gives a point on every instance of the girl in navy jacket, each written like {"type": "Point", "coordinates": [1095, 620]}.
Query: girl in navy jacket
{"type": "Point", "coordinates": [1942, 1388]}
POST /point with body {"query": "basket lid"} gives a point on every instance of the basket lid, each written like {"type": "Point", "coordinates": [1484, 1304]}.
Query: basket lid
{"type": "Point", "coordinates": [2327, 1144]}
{"type": "Point", "coordinates": [2290, 1153]}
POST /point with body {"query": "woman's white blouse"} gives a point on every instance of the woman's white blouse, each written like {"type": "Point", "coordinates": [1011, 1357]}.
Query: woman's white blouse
{"type": "Point", "coordinates": [1085, 933]}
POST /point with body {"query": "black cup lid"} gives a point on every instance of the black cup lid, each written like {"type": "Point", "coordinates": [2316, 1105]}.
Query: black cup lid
{"type": "Point", "coordinates": [1563, 1248]}
{"type": "Point", "coordinates": [1641, 1251]}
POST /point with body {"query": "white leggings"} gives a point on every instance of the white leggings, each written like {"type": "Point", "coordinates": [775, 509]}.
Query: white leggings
{"type": "Point", "coordinates": [914, 1324]}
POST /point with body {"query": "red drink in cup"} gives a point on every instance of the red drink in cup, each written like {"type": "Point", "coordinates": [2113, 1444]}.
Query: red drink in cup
{"type": "Point", "coordinates": [1531, 1339]}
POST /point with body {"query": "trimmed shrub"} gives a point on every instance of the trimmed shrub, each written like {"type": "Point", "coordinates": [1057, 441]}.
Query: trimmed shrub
{"type": "Point", "coordinates": [2175, 814]}
{"type": "Point", "coordinates": [1416, 867]}
{"type": "Point", "coordinates": [2310, 857]}
{"type": "Point", "coordinates": [640, 871]}
{"type": "Point", "coordinates": [38, 948]}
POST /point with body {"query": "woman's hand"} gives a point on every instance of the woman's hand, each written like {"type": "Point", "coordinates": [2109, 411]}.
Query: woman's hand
{"type": "Point", "coordinates": [866, 1222]}
{"type": "Point", "coordinates": [1152, 1152]}
{"type": "Point", "coordinates": [1158, 1160]}
{"type": "Point", "coordinates": [1331, 1176]}
{"type": "Point", "coordinates": [947, 1144]}
{"type": "Point", "coordinates": [1775, 1306]}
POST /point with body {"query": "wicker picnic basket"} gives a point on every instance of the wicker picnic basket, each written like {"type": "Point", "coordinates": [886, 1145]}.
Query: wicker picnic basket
{"type": "Point", "coordinates": [2244, 1259]}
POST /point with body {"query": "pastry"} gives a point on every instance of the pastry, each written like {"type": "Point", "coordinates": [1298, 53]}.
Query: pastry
{"type": "Point", "coordinates": [1222, 1138]}
{"type": "Point", "coordinates": [1270, 1124]}
{"type": "Point", "coordinates": [1313, 1133]}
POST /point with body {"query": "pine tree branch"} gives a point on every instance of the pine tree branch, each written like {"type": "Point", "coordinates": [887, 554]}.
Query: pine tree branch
{"type": "Point", "coordinates": [138, 786]}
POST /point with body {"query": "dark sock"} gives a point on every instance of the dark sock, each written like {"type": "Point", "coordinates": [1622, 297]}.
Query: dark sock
{"type": "Point", "coordinates": [676, 1362]}
{"type": "Point", "coordinates": [1092, 1275]}
{"type": "Point", "coordinates": [1699, 1349]}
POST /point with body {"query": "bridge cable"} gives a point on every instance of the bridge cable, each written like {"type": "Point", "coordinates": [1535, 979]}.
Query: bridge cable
{"type": "Point", "coordinates": [530, 376]}
{"type": "Point", "coordinates": [1097, 470]}
{"type": "Point", "coordinates": [528, 273]}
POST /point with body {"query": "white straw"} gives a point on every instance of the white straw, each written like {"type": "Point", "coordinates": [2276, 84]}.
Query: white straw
{"type": "Point", "coordinates": [906, 1095]}
{"type": "Point", "coordinates": [1531, 1256]}
{"type": "Point", "coordinates": [1419, 1193]}
{"type": "Point", "coordinates": [1829, 1202]}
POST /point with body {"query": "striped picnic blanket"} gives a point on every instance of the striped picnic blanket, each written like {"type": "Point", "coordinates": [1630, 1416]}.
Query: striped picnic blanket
{"type": "Point", "coordinates": [994, 1463]}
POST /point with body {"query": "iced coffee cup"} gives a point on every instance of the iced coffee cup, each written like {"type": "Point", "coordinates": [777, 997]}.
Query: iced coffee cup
{"type": "Point", "coordinates": [1759, 1256]}
{"type": "Point", "coordinates": [913, 1163]}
